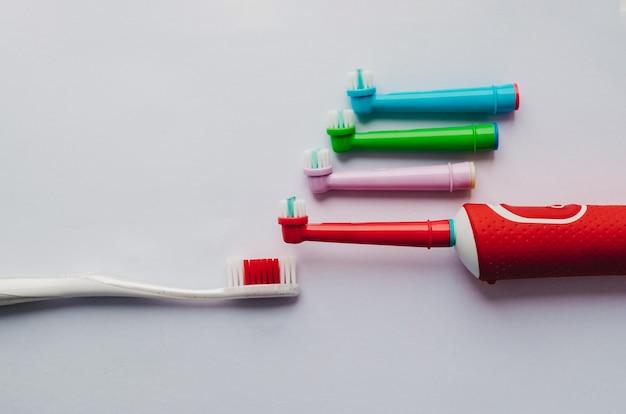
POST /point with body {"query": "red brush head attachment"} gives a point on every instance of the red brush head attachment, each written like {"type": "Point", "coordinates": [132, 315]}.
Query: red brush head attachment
{"type": "Point", "coordinates": [293, 220]}
{"type": "Point", "coordinates": [427, 234]}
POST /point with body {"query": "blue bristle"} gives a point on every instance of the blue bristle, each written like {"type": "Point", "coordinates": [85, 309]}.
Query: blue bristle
{"type": "Point", "coordinates": [359, 79]}
{"type": "Point", "coordinates": [290, 211]}
{"type": "Point", "coordinates": [314, 159]}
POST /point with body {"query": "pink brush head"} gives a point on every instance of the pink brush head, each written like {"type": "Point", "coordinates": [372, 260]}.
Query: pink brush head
{"type": "Point", "coordinates": [443, 177]}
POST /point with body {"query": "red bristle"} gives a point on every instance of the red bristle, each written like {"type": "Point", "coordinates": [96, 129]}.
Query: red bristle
{"type": "Point", "coordinates": [262, 277]}
{"type": "Point", "coordinates": [266, 271]}
{"type": "Point", "coordinates": [254, 271]}
{"type": "Point", "coordinates": [270, 271]}
{"type": "Point", "coordinates": [246, 272]}
{"type": "Point", "coordinates": [275, 271]}
{"type": "Point", "coordinates": [261, 271]}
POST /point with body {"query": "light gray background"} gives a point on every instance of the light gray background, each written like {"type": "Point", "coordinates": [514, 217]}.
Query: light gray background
{"type": "Point", "coordinates": [154, 140]}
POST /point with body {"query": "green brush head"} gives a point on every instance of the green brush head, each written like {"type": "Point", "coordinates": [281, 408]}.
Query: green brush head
{"type": "Point", "coordinates": [341, 129]}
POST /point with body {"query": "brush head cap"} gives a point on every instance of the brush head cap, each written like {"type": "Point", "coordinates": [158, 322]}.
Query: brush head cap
{"type": "Point", "coordinates": [293, 219]}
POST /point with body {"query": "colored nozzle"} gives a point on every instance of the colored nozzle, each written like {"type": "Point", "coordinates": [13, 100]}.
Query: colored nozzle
{"type": "Point", "coordinates": [427, 234]}
{"type": "Point", "coordinates": [493, 99]}
{"type": "Point", "coordinates": [441, 177]}
{"type": "Point", "coordinates": [470, 138]}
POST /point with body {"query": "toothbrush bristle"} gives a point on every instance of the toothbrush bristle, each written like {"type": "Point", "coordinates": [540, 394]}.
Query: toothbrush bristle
{"type": "Point", "coordinates": [235, 272]}
{"type": "Point", "coordinates": [288, 270]}
{"type": "Point", "coordinates": [261, 271]}
{"type": "Point", "coordinates": [361, 79]}
{"type": "Point", "coordinates": [318, 158]}
{"type": "Point", "coordinates": [342, 118]}
{"type": "Point", "coordinates": [292, 208]}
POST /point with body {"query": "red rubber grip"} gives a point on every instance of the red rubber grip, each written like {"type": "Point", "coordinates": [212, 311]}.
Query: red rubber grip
{"type": "Point", "coordinates": [530, 242]}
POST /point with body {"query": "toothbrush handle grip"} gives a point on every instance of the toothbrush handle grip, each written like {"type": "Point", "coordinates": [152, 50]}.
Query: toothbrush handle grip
{"type": "Point", "coordinates": [532, 242]}
{"type": "Point", "coordinates": [19, 290]}
{"type": "Point", "coordinates": [488, 99]}
{"type": "Point", "coordinates": [445, 177]}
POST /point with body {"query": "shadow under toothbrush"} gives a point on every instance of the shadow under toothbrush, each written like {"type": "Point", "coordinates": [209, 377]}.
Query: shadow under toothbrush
{"type": "Point", "coordinates": [417, 156]}
{"type": "Point", "coordinates": [117, 303]}
{"type": "Point", "coordinates": [460, 117]}
{"type": "Point", "coordinates": [459, 196]}
{"type": "Point", "coordinates": [503, 292]}
{"type": "Point", "coordinates": [561, 287]}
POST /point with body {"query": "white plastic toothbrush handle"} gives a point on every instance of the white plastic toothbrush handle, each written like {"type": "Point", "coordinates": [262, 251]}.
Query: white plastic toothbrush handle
{"type": "Point", "coordinates": [13, 291]}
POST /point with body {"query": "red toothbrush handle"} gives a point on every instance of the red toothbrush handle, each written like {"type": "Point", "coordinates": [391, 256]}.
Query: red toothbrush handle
{"type": "Point", "coordinates": [529, 242]}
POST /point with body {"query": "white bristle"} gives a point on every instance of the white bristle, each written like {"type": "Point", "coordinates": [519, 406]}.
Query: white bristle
{"type": "Point", "coordinates": [348, 118]}
{"type": "Point", "coordinates": [352, 80]}
{"type": "Point", "coordinates": [342, 118]}
{"type": "Point", "coordinates": [323, 158]}
{"type": "Point", "coordinates": [235, 272]}
{"type": "Point", "coordinates": [332, 119]}
{"type": "Point", "coordinates": [299, 208]}
{"type": "Point", "coordinates": [308, 159]}
{"type": "Point", "coordinates": [319, 158]}
{"type": "Point", "coordinates": [367, 78]}
{"type": "Point", "coordinates": [287, 269]}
